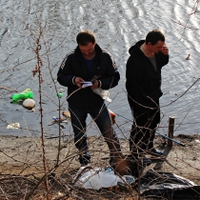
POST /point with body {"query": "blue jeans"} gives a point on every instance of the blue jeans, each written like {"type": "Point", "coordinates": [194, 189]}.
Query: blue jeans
{"type": "Point", "coordinates": [101, 116]}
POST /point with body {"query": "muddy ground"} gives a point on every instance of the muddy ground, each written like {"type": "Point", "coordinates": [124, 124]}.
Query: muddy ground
{"type": "Point", "coordinates": [26, 161]}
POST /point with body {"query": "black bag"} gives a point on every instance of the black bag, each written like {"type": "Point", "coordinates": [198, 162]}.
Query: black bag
{"type": "Point", "coordinates": [169, 186]}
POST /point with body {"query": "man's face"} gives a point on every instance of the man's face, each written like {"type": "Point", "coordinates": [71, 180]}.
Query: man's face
{"type": "Point", "coordinates": [156, 47]}
{"type": "Point", "coordinates": [88, 50]}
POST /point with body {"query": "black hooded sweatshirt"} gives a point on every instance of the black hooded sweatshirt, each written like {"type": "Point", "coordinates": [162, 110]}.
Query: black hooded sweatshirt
{"type": "Point", "coordinates": [143, 81]}
{"type": "Point", "coordinates": [74, 65]}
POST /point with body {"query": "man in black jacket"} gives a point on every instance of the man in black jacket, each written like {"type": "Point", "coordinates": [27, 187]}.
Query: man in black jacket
{"type": "Point", "coordinates": [88, 62]}
{"type": "Point", "coordinates": [143, 84]}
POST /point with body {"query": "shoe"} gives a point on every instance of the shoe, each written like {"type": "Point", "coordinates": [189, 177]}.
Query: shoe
{"type": "Point", "coordinates": [84, 159]}
{"type": "Point", "coordinates": [146, 161]}
{"type": "Point", "coordinates": [155, 152]}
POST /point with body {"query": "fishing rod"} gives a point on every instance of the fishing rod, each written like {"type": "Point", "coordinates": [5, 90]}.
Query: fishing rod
{"type": "Point", "coordinates": [164, 136]}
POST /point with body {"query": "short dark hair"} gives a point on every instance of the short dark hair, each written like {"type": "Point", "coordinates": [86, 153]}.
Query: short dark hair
{"type": "Point", "coordinates": [154, 36]}
{"type": "Point", "coordinates": [85, 37]}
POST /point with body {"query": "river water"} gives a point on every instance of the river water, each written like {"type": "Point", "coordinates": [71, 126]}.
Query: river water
{"type": "Point", "coordinates": [118, 24]}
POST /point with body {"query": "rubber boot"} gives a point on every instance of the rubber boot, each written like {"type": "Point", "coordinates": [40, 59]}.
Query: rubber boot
{"type": "Point", "coordinates": [84, 158]}
{"type": "Point", "coordinates": [115, 150]}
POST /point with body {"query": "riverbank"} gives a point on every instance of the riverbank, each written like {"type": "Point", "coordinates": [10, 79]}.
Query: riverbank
{"type": "Point", "coordinates": [24, 157]}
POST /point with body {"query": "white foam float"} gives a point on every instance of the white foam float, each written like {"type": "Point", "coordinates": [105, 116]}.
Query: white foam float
{"type": "Point", "coordinates": [15, 125]}
{"type": "Point", "coordinates": [28, 103]}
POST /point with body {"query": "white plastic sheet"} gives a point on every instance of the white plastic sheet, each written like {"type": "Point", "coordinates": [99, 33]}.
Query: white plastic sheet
{"type": "Point", "coordinates": [96, 178]}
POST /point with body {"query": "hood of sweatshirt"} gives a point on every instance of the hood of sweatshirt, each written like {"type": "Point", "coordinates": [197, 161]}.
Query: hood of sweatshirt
{"type": "Point", "coordinates": [135, 49]}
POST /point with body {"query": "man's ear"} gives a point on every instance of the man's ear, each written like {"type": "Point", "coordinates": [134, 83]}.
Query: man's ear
{"type": "Point", "coordinates": [149, 44]}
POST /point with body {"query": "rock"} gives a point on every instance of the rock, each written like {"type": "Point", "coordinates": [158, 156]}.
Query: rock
{"type": "Point", "coordinates": [29, 103]}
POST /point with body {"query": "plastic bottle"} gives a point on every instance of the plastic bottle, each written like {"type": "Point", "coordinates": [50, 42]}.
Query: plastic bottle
{"type": "Point", "coordinates": [59, 95]}
{"type": "Point", "coordinates": [129, 179]}
{"type": "Point", "coordinates": [22, 96]}
{"type": "Point", "coordinates": [109, 170]}
{"type": "Point", "coordinates": [56, 119]}
{"type": "Point", "coordinates": [60, 92]}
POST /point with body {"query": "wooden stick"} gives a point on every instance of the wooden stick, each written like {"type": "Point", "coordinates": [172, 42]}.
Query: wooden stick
{"type": "Point", "coordinates": [171, 130]}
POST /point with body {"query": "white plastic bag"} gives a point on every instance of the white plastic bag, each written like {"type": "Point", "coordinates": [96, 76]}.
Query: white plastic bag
{"type": "Point", "coordinates": [96, 178]}
{"type": "Point", "coordinates": [103, 93]}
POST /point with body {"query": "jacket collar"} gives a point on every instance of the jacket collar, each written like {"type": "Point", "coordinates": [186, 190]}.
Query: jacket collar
{"type": "Point", "coordinates": [97, 49]}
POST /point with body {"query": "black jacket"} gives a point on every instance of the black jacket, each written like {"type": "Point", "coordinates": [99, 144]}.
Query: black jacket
{"type": "Point", "coordinates": [142, 80]}
{"type": "Point", "coordinates": [74, 66]}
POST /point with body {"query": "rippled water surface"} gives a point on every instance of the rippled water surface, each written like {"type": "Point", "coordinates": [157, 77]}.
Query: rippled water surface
{"type": "Point", "coordinates": [118, 25]}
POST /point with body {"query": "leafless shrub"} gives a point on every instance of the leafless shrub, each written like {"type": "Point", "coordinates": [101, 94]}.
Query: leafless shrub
{"type": "Point", "coordinates": [44, 167]}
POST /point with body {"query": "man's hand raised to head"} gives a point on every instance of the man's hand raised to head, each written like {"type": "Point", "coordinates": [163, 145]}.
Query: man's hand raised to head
{"type": "Point", "coordinates": [165, 50]}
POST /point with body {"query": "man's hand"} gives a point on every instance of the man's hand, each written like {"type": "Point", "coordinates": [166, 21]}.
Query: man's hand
{"type": "Point", "coordinates": [165, 50]}
{"type": "Point", "coordinates": [95, 84]}
{"type": "Point", "coordinates": [78, 81]}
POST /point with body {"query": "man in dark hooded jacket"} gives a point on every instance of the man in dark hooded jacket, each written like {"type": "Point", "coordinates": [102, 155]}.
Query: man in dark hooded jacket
{"type": "Point", "coordinates": [89, 63]}
{"type": "Point", "coordinates": [143, 84]}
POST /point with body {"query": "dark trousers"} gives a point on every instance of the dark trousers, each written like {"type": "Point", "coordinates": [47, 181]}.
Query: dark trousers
{"type": "Point", "coordinates": [144, 127]}
{"type": "Point", "coordinates": [101, 116]}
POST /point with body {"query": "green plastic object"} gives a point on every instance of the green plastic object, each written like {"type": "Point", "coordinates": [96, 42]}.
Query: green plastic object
{"type": "Point", "coordinates": [59, 95]}
{"type": "Point", "coordinates": [22, 96]}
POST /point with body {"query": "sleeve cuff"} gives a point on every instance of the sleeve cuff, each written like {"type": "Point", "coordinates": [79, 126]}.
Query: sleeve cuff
{"type": "Point", "coordinates": [73, 80]}
{"type": "Point", "coordinates": [99, 83]}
